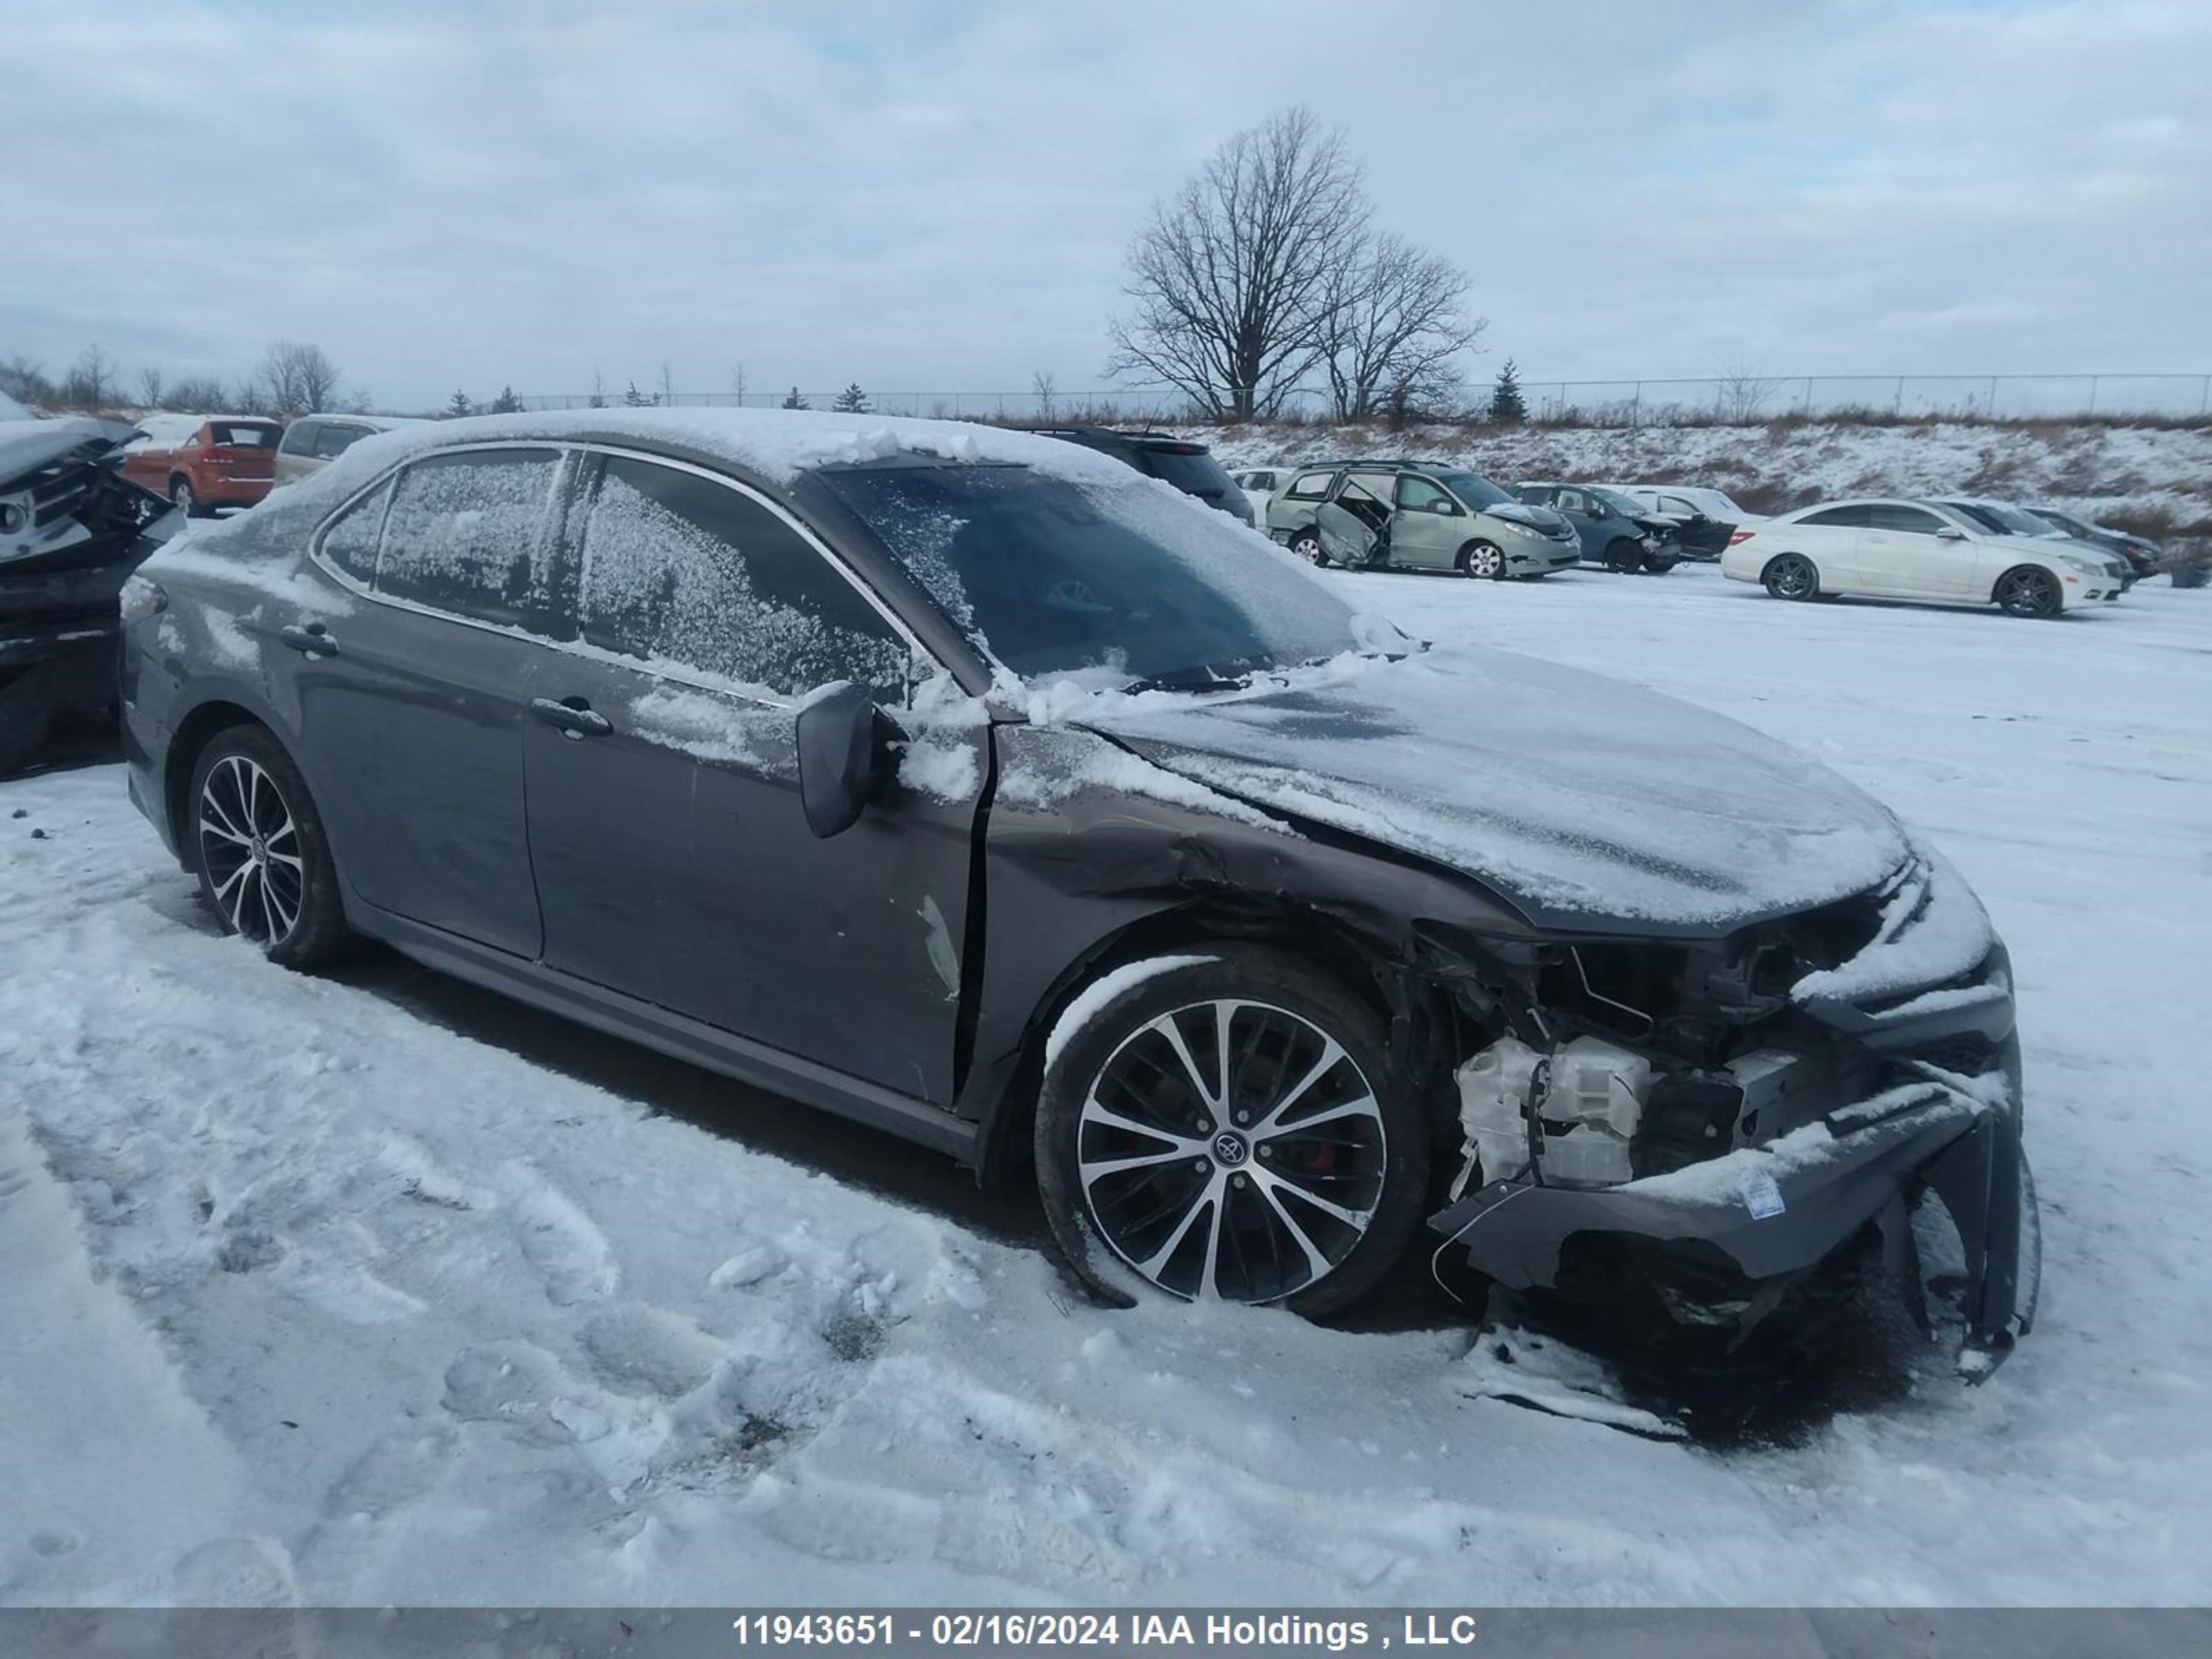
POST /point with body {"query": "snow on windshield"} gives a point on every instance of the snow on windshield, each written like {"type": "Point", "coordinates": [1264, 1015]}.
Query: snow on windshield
{"type": "Point", "coordinates": [1120, 577]}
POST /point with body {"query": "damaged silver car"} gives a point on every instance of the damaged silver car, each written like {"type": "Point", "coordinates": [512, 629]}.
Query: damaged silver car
{"type": "Point", "coordinates": [966, 784]}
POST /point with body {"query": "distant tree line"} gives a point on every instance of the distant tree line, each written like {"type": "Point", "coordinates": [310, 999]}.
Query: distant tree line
{"type": "Point", "coordinates": [294, 377]}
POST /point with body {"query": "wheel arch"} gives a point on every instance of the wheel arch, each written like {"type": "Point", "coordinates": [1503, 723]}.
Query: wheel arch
{"type": "Point", "coordinates": [201, 727]}
{"type": "Point", "coordinates": [1412, 1008]}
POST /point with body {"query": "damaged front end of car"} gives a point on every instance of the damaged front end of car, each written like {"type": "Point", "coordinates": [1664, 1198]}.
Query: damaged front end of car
{"type": "Point", "coordinates": [1714, 1118]}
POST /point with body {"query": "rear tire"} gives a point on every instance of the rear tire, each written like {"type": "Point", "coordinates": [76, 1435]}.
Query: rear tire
{"type": "Point", "coordinates": [1158, 1181]}
{"type": "Point", "coordinates": [253, 834]}
{"type": "Point", "coordinates": [1658, 564]}
{"type": "Point", "coordinates": [2028, 589]}
{"type": "Point", "coordinates": [181, 495]}
{"type": "Point", "coordinates": [1791, 576]}
{"type": "Point", "coordinates": [1307, 545]}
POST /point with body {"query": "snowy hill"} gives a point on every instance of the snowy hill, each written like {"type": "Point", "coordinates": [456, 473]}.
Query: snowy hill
{"type": "Point", "coordinates": [2157, 479]}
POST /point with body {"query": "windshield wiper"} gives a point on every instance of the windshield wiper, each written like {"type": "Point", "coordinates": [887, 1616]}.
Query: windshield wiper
{"type": "Point", "coordinates": [1192, 679]}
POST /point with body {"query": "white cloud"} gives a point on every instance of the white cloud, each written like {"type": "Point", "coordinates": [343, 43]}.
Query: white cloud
{"type": "Point", "coordinates": [939, 196]}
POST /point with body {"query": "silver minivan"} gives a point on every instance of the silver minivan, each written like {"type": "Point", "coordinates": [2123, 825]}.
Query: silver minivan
{"type": "Point", "coordinates": [313, 441]}
{"type": "Point", "coordinates": [1386, 513]}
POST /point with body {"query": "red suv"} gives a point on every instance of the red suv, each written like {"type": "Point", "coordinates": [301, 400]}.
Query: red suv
{"type": "Point", "coordinates": [202, 462]}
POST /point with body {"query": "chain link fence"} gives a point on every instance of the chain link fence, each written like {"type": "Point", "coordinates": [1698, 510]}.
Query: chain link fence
{"type": "Point", "coordinates": [1734, 399]}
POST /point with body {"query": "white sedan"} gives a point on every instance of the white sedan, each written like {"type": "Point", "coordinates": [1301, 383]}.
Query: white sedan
{"type": "Point", "coordinates": [1896, 549]}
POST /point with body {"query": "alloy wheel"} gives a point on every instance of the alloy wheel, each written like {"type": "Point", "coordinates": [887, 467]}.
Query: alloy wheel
{"type": "Point", "coordinates": [1308, 546]}
{"type": "Point", "coordinates": [250, 847]}
{"type": "Point", "coordinates": [2026, 594]}
{"type": "Point", "coordinates": [1791, 578]}
{"type": "Point", "coordinates": [1484, 560]}
{"type": "Point", "coordinates": [181, 495]}
{"type": "Point", "coordinates": [1231, 1148]}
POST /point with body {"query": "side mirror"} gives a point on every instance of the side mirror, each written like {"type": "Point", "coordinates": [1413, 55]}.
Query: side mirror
{"type": "Point", "coordinates": [1599, 510]}
{"type": "Point", "coordinates": [841, 751]}
{"type": "Point", "coordinates": [1950, 532]}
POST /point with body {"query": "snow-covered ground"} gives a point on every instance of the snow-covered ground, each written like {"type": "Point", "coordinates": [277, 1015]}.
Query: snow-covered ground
{"type": "Point", "coordinates": [2096, 470]}
{"type": "Point", "coordinates": [335, 1291]}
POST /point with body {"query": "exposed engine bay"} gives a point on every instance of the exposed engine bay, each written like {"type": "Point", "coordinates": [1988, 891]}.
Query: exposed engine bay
{"type": "Point", "coordinates": [1718, 1117]}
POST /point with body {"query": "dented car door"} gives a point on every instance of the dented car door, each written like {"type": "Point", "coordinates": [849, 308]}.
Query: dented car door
{"type": "Point", "coordinates": [671, 851]}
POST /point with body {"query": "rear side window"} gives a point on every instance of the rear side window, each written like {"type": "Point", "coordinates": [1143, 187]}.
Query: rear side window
{"type": "Point", "coordinates": [465, 534]}
{"type": "Point", "coordinates": [680, 569]}
{"type": "Point", "coordinates": [337, 438]}
{"type": "Point", "coordinates": [1911, 519]}
{"type": "Point", "coordinates": [1189, 469]}
{"type": "Point", "coordinates": [1310, 486]}
{"type": "Point", "coordinates": [350, 540]}
{"type": "Point", "coordinates": [1839, 518]}
{"type": "Point", "coordinates": [300, 438]}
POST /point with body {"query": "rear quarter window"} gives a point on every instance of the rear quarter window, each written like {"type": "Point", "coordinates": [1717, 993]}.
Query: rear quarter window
{"type": "Point", "coordinates": [1310, 486]}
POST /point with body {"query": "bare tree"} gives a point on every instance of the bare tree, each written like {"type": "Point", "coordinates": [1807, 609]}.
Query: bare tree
{"type": "Point", "coordinates": [1042, 386]}
{"type": "Point", "coordinates": [197, 394]}
{"type": "Point", "coordinates": [297, 378]}
{"type": "Point", "coordinates": [1395, 325]}
{"type": "Point", "coordinates": [24, 379]}
{"type": "Point", "coordinates": [91, 383]}
{"type": "Point", "coordinates": [667, 385]}
{"type": "Point", "coordinates": [1740, 393]}
{"type": "Point", "coordinates": [599, 398]}
{"type": "Point", "coordinates": [150, 382]}
{"type": "Point", "coordinates": [1233, 277]}
{"type": "Point", "coordinates": [737, 384]}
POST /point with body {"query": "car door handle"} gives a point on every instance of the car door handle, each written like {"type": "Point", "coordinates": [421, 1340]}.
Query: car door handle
{"type": "Point", "coordinates": [572, 717]}
{"type": "Point", "coordinates": [314, 640]}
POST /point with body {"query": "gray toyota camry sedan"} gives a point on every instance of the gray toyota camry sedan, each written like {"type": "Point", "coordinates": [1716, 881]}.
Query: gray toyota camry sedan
{"type": "Point", "coordinates": [972, 786]}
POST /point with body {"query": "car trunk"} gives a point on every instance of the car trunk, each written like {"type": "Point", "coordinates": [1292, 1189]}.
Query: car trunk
{"type": "Point", "coordinates": [242, 452]}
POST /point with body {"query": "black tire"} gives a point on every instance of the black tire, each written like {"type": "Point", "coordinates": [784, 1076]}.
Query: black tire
{"type": "Point", "coordinates": [27, 707]}
{"type": "Point", "coordinates": [181, 495]}
{"type": "Point", "coordinates": [2027, 589]}
{"type": "Point", "coordinates": [1623, 556]}
{"type": "Point", "coordinates": [265, 867]}
{"type": "Point", "coordinates": [1482, 558]}
{"type": "Point", "coordinates": [1791, 576]}
{"type": "Point", "coordinates": [1658, 564]}
{"type": "Point", "coordinates": [1375, 1163]}
{"type": "Point", "coordinates": [1307, 545]}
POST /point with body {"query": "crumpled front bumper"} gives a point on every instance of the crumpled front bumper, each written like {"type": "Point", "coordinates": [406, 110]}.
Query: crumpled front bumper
{"type": "Point", "coordinates": [1775, 1213]}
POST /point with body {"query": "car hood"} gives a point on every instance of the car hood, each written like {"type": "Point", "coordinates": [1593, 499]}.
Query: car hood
{"type": "Point", "coordinates": [1584, 802]}
{"type": "Point", "coordinates": [1536, 518]}
{"type": "Point", "coordinates": [28, 446]}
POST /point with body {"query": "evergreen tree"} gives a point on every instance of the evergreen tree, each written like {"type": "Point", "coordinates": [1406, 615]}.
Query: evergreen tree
{"type": "Point", "coordinates": [634, 399]}
{"type": "Point", "coordinates": [506, 403]}
{"type": "Point", "coordinates": [1507, 406]}
{"type": "Point", "coordinates": [852, 400]}
{"type": "Point", "coordinates": [460, 406]}
{"type": "Point", "coordinates": [795, 401]}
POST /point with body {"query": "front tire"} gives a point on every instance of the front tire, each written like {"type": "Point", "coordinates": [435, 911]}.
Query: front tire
{"type": "Point", "coordinates": [1307, 545]}
{"type": "Point", "coordinates": [2028, 591]}
{"type": "Point", "coordinates": [1623, 557]}
{"type": "Point", "coordinates": [1483, 559]}
{"type": "Point", "coordinates": [181, 495]}
{"type": "Point", "coordinates": [1791, 576]}
{"type": "Point", "coordinates": [1298, 1180]}
{"type": "Point", "coordinates": [258, 846]}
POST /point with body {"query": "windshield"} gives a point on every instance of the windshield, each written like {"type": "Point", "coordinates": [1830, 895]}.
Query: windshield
{"type": "Point", "coordinates": [1056, 577]}
{"type": "Point", "coordinates": [2017, 520]}
{"type": "Point", "coordinates": [1620, 503]}
{"type": "Point", "coordinates": [1472, 489]}
{"type": "Point", "coordinates": [1195, 472]}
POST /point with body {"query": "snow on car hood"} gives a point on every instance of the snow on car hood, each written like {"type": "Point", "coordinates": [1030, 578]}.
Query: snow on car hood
{"type": "Point", "coordinates": [1583, 800]}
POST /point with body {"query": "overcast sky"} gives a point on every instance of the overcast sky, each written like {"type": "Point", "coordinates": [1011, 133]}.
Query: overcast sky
{"type": "Point", "coordinates": [939, 196]}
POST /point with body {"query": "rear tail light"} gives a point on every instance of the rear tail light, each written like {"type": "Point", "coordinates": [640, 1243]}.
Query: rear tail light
{"type": "Point", "coordinates": [1740, 537]}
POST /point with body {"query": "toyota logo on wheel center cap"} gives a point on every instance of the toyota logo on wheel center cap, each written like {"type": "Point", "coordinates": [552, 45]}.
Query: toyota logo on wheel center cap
{"type": "Point", "coordinates": [1229, 1147]}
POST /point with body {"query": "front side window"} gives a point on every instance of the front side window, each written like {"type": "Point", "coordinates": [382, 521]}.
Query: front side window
{"type": "Point", "coordinates": [1053, 576]}
{"type": "Point", "coordinates": [1420, 496]}
{"type": "Point", "coordinates": [465, 534]}
{"type": "Point", "coordinates": [680, 569]}
{"type": "Point", "coordinates": [1839, 518]}
{"type": "Point", "coordinates": [300, 438]}
{"type": "Point", "coordinates": [1573, 501]}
